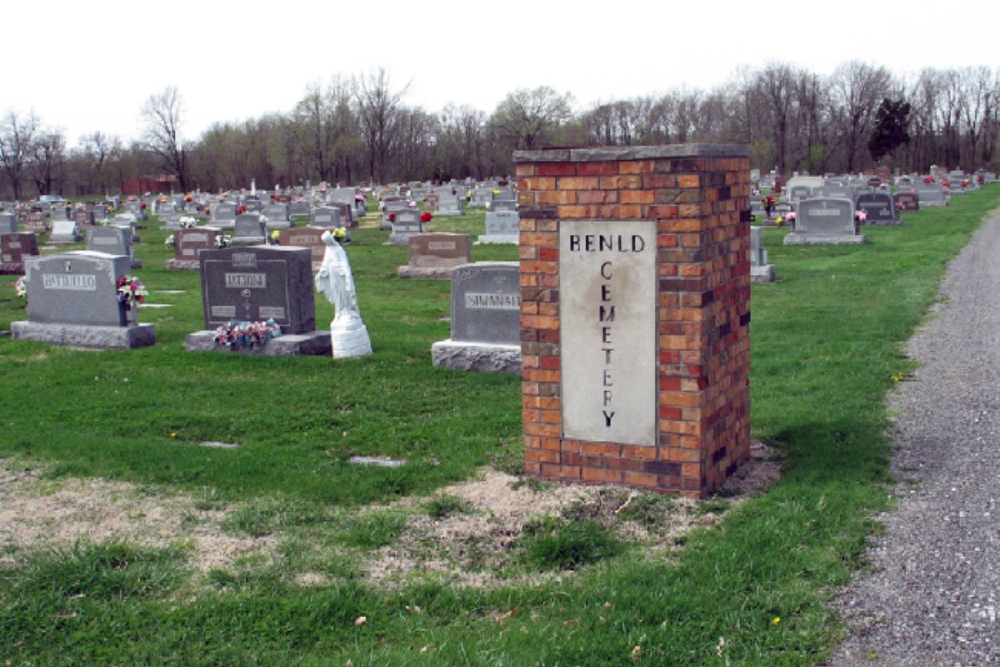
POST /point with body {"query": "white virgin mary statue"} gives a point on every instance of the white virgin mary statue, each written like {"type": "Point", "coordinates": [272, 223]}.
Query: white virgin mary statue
{"type": "Point", "coordinates": [335, 280]}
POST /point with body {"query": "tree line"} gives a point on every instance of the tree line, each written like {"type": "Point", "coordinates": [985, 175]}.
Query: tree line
{"type": "Point", "coordinates": [358, 129]}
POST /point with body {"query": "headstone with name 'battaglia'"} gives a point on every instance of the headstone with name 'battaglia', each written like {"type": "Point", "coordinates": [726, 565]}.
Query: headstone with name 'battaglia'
{"type": "Point", "coordinates": [825, 221]}
{"type": "Point", "coordinates": [15, 247]}
{"type": "Point", "coordinates": [73, 300]}
{"type": "Point", "coordinates": [501, 227]}
{"type": "Point", "coordinates": [188, 245]}
{"type": "Point", "coordinates": [436, 255]}
{"type": "Point", "coordinates": [485, 319]}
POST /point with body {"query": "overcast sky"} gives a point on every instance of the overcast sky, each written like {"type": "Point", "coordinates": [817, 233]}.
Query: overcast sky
{"type": "Point", "coordinates": [88, 66]}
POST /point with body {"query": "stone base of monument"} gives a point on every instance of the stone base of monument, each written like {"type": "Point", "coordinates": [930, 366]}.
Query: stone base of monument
{"type": "Point", "coordinates": [498, 238]}
{"type": "Point", "coordinates": [398, 239]}
{"type": "Point", "coordinates": [487, 357]}
{"type": "Point", "coordinates": [64, 239]}
{"type": "Point", "coordinates": [241, 241]}
{"type": "Point", "coordinates": [882, 223]}
{"type": "Point", "coordinates": [437, 213]}
{"type": "Point", "coordinates": [278, 224]}
{"type": "Point", "coordinates": [762, 274]}
{"type": "Point", "coordinates": [425, 272]}
{"type": "Point", "coordinates": [70, 335]}
{"type": "Point", "coordinates": [311, 343]}
{"type": "Point", "coordinates": [349, 338]}
{"type": "Point", "coordinates": [136, 263]}
{"type": "Point", "coordinates": [12, 268]}
{"type": "Point", "coordinates": [385, 226]}
{"type": "Point", "coordinates": [183, 265]}
{"type": "Point", "coordinates": [824, 239]}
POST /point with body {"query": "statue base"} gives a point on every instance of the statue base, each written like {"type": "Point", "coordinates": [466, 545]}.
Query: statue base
{"type": "Point", "coordinates": [349, 337]}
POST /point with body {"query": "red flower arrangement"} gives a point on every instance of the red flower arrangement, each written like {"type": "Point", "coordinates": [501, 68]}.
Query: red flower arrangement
{"type": "Point", "coordinates": [928, 179]}
{"type": "Point", "coordinates": [426, 216]}
{"type": "Point", "coordinates": [241, 209]}
{"type": "Point", "coordinates": [392, 217]}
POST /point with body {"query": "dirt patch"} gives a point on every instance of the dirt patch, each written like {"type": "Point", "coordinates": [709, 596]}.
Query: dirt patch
{"type": "Point", "coordinates": [475, 546]}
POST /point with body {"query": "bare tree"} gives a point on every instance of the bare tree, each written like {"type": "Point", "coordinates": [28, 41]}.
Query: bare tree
{"type": "Point", "coordinates": [162, 114]}
{"type": "Point", "coordinates": [378, 107]}
{"type": "Point", "coordinates": [528, 119]}
{"type": "Point", "coordinates": [17, 134]}
{"type": "Point", "coordinates": [48, 158]}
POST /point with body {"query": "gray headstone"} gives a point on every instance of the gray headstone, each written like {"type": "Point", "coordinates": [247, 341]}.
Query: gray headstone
{"type": "Point", "coordinates": [825, 220]}
{"type": "Point", "coordinates": [75, 288]}
{"type": "Point", "coordinates": [502, 227]}
{"type": "Point", "coordinates": [188, 243]}
{"type": "Point", "coordinates": [299, 209]}
{"type": "Point", "coordinates": [760, 270]}
{"type": "Point", "coordinates": [259, 283]}
{"type": "Point", "coordinates": [249, 229]}
{"type": "Point", "coordinates": [110, 240]}
{"type": "Point", "coordinates": [503, 205]}
{"type": "Point", "coordinates": [8, 223]}
{"type": "Point", "coordinates": [486, 303]}
{"type": "Point", "coordinates": [325, 216]}
{"type": "Point", "coordinates": [405, 224]}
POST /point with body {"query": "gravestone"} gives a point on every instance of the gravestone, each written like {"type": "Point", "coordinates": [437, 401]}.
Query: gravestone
{"type": "Point", "coordinates": [73, 300]}
{"type": "Point", "coordinates": [436, 255]}
{"type": "Point", "coordinates": [879, 208]}
{"type": "Point", "coordinates": [931, 194]}
{"type": "Point", "coordinates": [299, 209]}
{"type": "Point", "coordinates": [448, 205]}
{"type": "Point", "coordinates": [760, 270]}
{"type": "Point", "coordinates": [501, 227]}
{"type": "Point", "coordinates": [15, 248]}
{"type": "Point", "coordinates": [35, 222]}
{"type": "Point", "coordinates": [799, 192]}
{"type": "Point", "coordinates": [171, 219]}
{"type": "Point", "coordinates": [305, 237]}
{"type": "Point", "coordinates": [249, 229]}
{"type": "Point", "coordinates": [405, 224]}
{"type": "Point", "coordinates": [277, 216]}
{"type": "Point", "coordinates": [257, 284]}
{"type": "Point", "coordinates": [825, 221]}
{"type": "Point", "coordinates": [188, 245]}
{"type": "Point", "coordinates": [64, 232]}
{"type": "Point", "coordinates": [503, 205]}
{"type": "Point", "coordinates": [907, 202]}
{"type": "Point", "coordinates": [112, 240]}
{"type": "Point", "coordinates": [8, 223]}
{"type": "Point", "coordinates": [485, 319]}
{"type": "Point", "coordinates": [326, 217]}
{"type": "Point", "coordinates": [224, 215]}
{"type": "Point", "coordinates": [346, 215]}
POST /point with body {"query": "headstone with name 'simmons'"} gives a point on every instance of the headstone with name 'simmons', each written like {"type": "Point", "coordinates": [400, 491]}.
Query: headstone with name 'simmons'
{"type": "Point", "coordinates": [73, 300]}
{"type": "Point", "coordinates": [485, 319]}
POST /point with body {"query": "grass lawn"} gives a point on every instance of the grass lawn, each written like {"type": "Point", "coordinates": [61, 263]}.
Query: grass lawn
{"type": "Point", "coordinates": [827, 340]}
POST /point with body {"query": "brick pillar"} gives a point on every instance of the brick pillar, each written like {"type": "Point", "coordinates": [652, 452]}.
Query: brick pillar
{"type": "Point", "coordinates": [635, 313]}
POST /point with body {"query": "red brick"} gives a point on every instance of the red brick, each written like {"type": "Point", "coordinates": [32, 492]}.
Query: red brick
{"type": "Point", "coordinates": [556, 169]}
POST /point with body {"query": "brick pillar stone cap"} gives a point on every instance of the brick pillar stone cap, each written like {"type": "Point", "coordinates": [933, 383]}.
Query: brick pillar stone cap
{"type": "Point", "coordinates": [625, 153]}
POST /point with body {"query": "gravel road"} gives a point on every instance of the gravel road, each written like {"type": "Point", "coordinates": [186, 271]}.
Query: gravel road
{"type": "Point", "coordinates": [932, 596]}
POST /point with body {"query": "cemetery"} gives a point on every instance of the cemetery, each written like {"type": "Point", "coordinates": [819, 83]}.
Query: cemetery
{"type": "Point", "coordinates": [275, 479]}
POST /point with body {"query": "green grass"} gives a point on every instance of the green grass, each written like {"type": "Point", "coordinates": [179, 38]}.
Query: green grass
{"type": "Point", "coordinates": [827, 340]}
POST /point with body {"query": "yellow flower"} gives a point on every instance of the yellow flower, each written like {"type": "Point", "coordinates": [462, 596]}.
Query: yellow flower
{"type": "Point", "coordinates": [776, 621]}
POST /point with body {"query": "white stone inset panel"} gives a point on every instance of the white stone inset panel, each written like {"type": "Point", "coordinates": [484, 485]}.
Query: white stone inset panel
{"type": "Point", "coordinates": [607, 308]}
